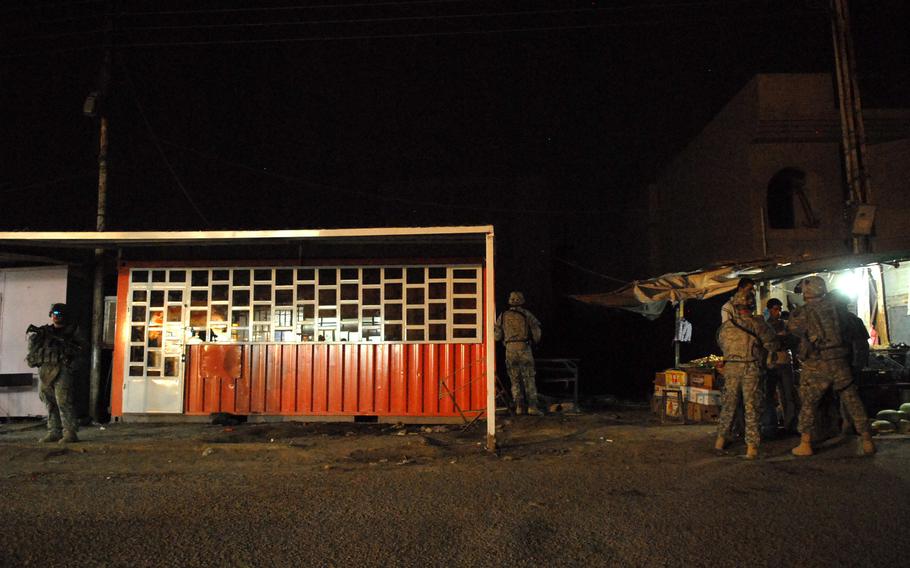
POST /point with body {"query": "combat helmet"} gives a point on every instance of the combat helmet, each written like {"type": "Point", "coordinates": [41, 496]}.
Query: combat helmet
{"type": "Point", "coordinates": [516, 299]}
{"type": "Point", "coordinates": [814, 287]}
{"type": "Point", "coordinates": [58, 309]}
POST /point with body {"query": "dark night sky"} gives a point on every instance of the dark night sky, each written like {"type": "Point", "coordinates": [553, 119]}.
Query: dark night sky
{"type": "Point", "coordinates": [317, 117]}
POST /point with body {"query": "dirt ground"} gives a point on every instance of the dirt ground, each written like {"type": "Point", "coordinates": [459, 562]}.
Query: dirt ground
{"type": "Point", "coordinates": [607, 488]}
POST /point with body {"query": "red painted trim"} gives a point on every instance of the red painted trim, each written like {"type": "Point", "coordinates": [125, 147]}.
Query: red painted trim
{"type": "Point", "coordinates": [121, 344]}
{"type": "Point", "coordinates": [299, 263]}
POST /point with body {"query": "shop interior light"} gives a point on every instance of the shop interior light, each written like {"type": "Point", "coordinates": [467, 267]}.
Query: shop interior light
{"type": "Point", "coordinates": [851, 282]}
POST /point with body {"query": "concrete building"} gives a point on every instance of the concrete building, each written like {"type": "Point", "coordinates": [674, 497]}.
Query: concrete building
{"type": "Point", "coordinates": [764, 179]}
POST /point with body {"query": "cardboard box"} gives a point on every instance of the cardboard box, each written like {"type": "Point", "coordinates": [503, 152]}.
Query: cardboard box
{"type": "Point", "coordinates": [703, 378]}
{"type": "Point", "coordinates": [708, 397]}
{"type": "Point", "coordinates": [674, 377]}
{"type": "Point", "coordinates": [671, 403]}
{"type": "Point", "coordinates": [708, 413]}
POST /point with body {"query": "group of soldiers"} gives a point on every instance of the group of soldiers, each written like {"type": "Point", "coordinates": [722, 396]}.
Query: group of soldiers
{"type": "Point", "coordinates": [825, 341]}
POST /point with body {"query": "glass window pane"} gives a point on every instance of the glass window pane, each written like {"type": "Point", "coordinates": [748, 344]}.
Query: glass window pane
{"type": "Point", "coordinates": [306, 312]}
{"type": "Point", "coordinates": [349, 291]}
{"type": "Point", "coordinates": [140, 276]}
{"type": "Point", "coordinates": [240, 318]}
{"type": "Point", "coordinates": [171, 366]}
{"type": "Point", "coordinates": [327, 297]}
{"type": "Point", "coordinates": [415, 296]}
{"type": "Point", "coordinates": [220, 293]}
{"type": "Point", "coordinates": [200, 278]}
{"type": "Point", "coordinates": [465, 303]}
{"type": "Point", "coordinates": [284, 277]}
{"type": "Point", "coordinates": [136, 371]}
{"type": "Point", "coordinates": [240, 334]}
{"type": "Point", "coordinates": [241, 278]}
{"type": "Point", "coordinates": [137, 333]}
{"type": "Point", "coordinates": [240, 297]}
{"type": "Point", "coordinates": [370, 276]}
{"type": "Point", "coordinates": [137, 354]}
{"type": "Point", "coordinates": [393, 311]}
{"type": "Point", "coordinates": [393, 273]}
{"type": "Point", "coordinates": [349, 274]}
{"type": "Point", "coordinates": [437, 272]}
{"type": "Point", "coordinates": [262, 275]}
{"type": "Point", "coordinates": [175, 295]}
{"type": "Point", "coordinates": [438, 291]}
{"type": "Point", "coordinates": [463, 273]}
{"type": "Point", "coordinates": [416, 275]}
{"type": "Point", "coordinates": [177, 276]}
{"type": "Point", "coordinates": [156, 317]}
{"type": "Point", "coordinates": [220, 275]}
{"type": "Point", "coordinates": [153, 359]}
{"type": "Point", "coordinates": [219, 313]}
{"type": "Point", "coordinates": [158, 275]}
{"type": "Point", "coordinates": [262, 292]}
{"type": "Point", "coordinates": [199, 298]}
{"type": "Point", "coordinates": [284, 297]}
{"type": "Point", "coordinates": [262, 313]}
{"type": "Point", "coordinates": [198, 318]}
{"type": "Point", "coordinates": [415, 335]}
{"type": "Point", "coordinates": [371, 317]}
{"type": "Point", "coordinates": [464, 333]}
{"type": "Point", "coordinates": [393, 291]}
{"type": "Point", "coordinates": [327, 314]}
{"type": "Point", "coordinates": [284, 317]}
{"type": "Point", "coordinates": [370, 334]}
{"type": "Point", "coordinates": [371, 297]}
{"type": "Point", "coordinates": [327, 276]}
{"type": "Point", "coordinates": [393, 332]}
{"type": "Point", "coordinates": [140, 295]}
{"type": "Point", "coordinates": [464, 318]}
{"type": "Point", "coordinates": [438, 311]}
{"type": "Point", "coordinates": [415, 316]}
{"type": "Point", "coordinates": [157, 298]}
{"type": "Point", "coordinates": [306, 274]}
{"type": "Point", "coordinates": [349, 311]}
{"type": "Point", "coordinates": [138, 314]}
{"type": "Point", "coordinates": [175, 313]}
{"type": "Point", "coordinates": [154, 338]}
{"type": "Point", "coordinates": [437, 332]}
{"type": "Point", "coordinates": [465, 287]}
{"type": "Point", "coordinates": [261, 331]}
{"type": "Point", "coordinates": [306, 292]}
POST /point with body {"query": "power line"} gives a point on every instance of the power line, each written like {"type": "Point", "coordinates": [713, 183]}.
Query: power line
{"type": "Point", "coordinates": [167, 162]}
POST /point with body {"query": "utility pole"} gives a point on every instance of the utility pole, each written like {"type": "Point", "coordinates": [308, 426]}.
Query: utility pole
{"type": "Point", "coordinates": [98, 281]}
{"type": "Point", "coordinates": [853, 132]}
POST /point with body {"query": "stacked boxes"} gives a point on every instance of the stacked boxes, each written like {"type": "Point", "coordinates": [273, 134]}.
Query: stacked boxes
{"type": "Point", "coordinates": [699, 389]}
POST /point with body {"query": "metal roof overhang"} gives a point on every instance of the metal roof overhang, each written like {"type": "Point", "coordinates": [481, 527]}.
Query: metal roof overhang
{"type": "Point", "coordinates": [128, 239]}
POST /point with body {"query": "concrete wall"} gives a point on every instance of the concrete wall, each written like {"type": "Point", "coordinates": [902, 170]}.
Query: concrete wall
{"type": "Point", "coordinates": [26, 294]}
{"type": "Point", "coordinates": [889, 170]}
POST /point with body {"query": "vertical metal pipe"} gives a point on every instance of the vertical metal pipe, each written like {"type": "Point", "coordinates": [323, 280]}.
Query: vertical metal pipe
{"type": "Point", "coordinates": [490, 307]}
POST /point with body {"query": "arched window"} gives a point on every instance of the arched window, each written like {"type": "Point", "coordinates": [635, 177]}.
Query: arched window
{"type": "Point", "coordinates": [785, 187]}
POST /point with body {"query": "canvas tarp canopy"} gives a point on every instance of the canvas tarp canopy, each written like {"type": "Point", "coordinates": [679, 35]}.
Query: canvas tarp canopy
{"type": "Point", "coordinates": [650, 297]}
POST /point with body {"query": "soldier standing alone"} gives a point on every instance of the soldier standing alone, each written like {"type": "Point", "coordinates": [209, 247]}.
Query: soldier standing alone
{"type": "Point", "coordinates": [824, 365]}
{"type": "Point", "coordinates": [54, 349]}
{"type": "Point", "coordinates": [745, 340]}
{"type": "Point", "coordinates": [517, 328]}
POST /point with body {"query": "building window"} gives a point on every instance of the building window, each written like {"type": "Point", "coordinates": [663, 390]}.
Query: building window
{"type": "Point", "coordinates": [786, 188]}
{"type": "Point", "coordinates": [329, 304]}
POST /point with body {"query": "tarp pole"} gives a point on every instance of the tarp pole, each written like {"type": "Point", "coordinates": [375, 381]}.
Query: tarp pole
{"type": "Point", "coordinates": [680, 312]}
{"type": "Point", "coordinates": [490, 306]}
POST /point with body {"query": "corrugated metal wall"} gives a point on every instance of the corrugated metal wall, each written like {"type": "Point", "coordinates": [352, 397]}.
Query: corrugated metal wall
{"type": "Point", "coordinates": [336, 379]}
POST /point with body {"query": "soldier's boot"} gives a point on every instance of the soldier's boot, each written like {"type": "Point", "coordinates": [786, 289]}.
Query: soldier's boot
{"type": "Point", "coordinates": [804, 448]}
{"type": "Point", "coordinates": [751, 451]}
{"type": "Point", "coordinates": [868, 445]}
{"type": "Point", "coordinates": [719, 443]}
{"type": "Point", "coordinates": [519, 409]}
{"type": "Point", "coordinates": [534, 411]}
{"type": "Point", "coordinates": [69, 436]}
{"type": "Point", "coordinates": [51, 436]}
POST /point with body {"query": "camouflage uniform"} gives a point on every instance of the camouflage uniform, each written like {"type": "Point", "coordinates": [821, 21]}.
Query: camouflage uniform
{"type": "Point", "coordinates": [54, 352]}
{"type": "Point", "coordinates": [517, 328]}
{"type": "Point", "coordinates": [824, 362]}
{"type": "Point", "coordinates": [742, 338]}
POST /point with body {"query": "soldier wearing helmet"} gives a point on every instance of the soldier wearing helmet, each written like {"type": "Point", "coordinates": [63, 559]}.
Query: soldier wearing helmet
{"type": "Point", "coordinates": [517, 328]}
{"type": "Point", "coordinates": [55, 349]}
{"type": "Point", "coordinates": [746, 340]}
{"type": "Point", "coordinates": [823, 356]}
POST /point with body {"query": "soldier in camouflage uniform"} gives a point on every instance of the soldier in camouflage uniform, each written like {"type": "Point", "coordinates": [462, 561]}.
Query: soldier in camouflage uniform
{"type": "Point", "coordinates": [824, 365]}
{"type": "Point", "coordinates": [517, 328]}
{"type": "Point", "coordinates": [53, 349]}
{"type": "Point", "coordinates": [745, 340]}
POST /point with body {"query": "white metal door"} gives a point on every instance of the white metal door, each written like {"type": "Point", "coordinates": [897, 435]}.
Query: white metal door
{"type": "Point", "coordinates": [154, 370]}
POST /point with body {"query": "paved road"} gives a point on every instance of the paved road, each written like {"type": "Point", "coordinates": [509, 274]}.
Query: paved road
{"type": "Point", "coordinates": [593, 490]}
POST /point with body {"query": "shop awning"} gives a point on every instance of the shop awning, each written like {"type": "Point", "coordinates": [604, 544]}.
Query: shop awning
{"type": "Point", "coordinates": [650, 297]}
